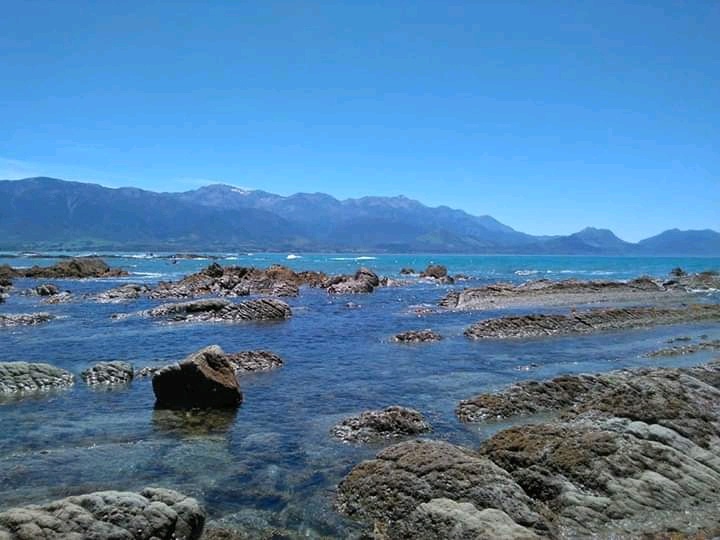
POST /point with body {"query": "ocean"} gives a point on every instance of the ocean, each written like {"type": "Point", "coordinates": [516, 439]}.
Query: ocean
{"type": "Point", "coordinates": [272, 463]}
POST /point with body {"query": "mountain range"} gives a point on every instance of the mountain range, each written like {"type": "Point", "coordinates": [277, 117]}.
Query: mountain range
{"type": "Point", "coordinates": [47, 213]}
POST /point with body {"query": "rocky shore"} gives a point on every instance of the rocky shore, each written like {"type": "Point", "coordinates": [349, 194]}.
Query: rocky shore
{"type": "Point", "coordinates": [78, 268]}
{"type": "Point", "coordinates": [574, 292]}
{"type": "Point", "coordinates": [152, 514]}
{"type": "Point", "coordinates": [629, 454]}
{"type": "Point", "coordinates": [585, 322]}
{"type": "Point", "coordinates": [217, 310]}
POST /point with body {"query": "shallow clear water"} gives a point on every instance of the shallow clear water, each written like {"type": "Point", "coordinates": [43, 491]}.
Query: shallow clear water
{"type": "Point", "coordinates": [272, 461]}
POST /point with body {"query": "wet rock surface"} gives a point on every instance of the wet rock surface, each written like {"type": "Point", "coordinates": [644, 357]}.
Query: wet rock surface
{"type": "Point", "coordinates": [204, 379]}
{"type": "Point", "coordinates": [364, 281]}
{"type": "Point", "coordinates": [417, 336]}
{"type": "Point", "coordinates": [24, 319]}
{"type": "Point", "coordinates": [219, 310]}
{"type": "Point", "coordinates": [81, 267]}
{"type": "Point", "coordinates": [47, 289]}
{"type": "Point", "coordinates": [560, 293]}
{"type": "Point", "coordinates": [439, 273]}
{"type": "Point", "coordinates": [235, 281]}
{"type": "Point", "coordinates": [108, 373]}
{"type": "Point", "coordinates": [389, 423]}
{"type": "Point", "coordinates": [21, 377]}
{"type": "Point", "coordinates": [253, 361]}
{"type": "Point", "coordinates": [392, 486]}
{"type": "Point", "coordinates": [585, 322]}
{"type": "Point", "coordinates": [131, 291]}
{"type": "Point", "coordinates": [152, 514]}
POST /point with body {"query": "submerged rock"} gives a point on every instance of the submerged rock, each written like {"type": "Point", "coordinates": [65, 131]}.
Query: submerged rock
{"type": "Point", "coordinates": [388, 489]}
{"type": "Point", "coordinates": [153, 513]}
{"type": "Point", "coordinates": [417, 336]}
{"type": "Point", "coordinates": [389, 423]}
{"type": "Point", "coordinates": [108, 373]}
{"type": "Point", "coordinates": [407, 271]}
{"type": "Point", "coordinates": [234, 281]}
{"type": "Point", "coordinates": [364, 281]}
{"type": "Point", "coordinates": [561, 293]}
{"type": "Point", "coordinates": [204, 379]}
{"type": "Point", "coordinates": [682, 350]}
{"type": "Point", "coordinates": [253, 361]}
{"type": "Point", "coordinates": [81, 267]}
{"type": "Point", "coordinates": [131, 291]}
{"type": "Point", "coordinates": [24, 319]}
{"type": "Point", "coordinates": [219, 310]}
{"type": "Point", "coordinates": [585, 322]}
{"type": "Point", "coordinates": [21, 377]}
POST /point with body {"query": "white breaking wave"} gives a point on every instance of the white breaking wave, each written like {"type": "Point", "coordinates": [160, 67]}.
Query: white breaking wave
{"type": "Point", "coordinates": [292, 256]}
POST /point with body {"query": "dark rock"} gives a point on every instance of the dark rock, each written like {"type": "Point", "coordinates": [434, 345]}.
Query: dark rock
{"type": "Point", "coordinates": [204, 379]}
{"type": "Point", "coordinates": [678, 272]}
{"type": "Point", "coordinates": [253, 361]}
{"type": "Point", "coordinates": [47, 289]}
{"type": "Point", "coordinates": [436, 271]}
{"type": "Point", "coordinates": [528, 326]}
{"type": "Point", "coordinates": [25, 377]}
{"type": "Point", "coordinates": [108, 373]}
{"type": "Point", "coordinates": [390, 423]}
{"type": "Point", "coordinates": [417, 336]}
{"type": "Point", "coordinates": [219, 310]}
{"type": "Point", "coordinates": [131, 291]}
{"type": "Point", "coordinates": [390, 488]}
{"type": "Point", "coordinates": [407, 271]}
{"type": "Point", "coordinates": [235, 281]}
{"type": "Point", "coordinates": [60, 298]}
{"type": "Point", "coordinates": [149, 515]}
{"type": "Point", "coordinates": [82, 267]}
{"type": "Point", "coordinates": [364, 281]}
{"type": "Point", "coordinates": [24, 319]}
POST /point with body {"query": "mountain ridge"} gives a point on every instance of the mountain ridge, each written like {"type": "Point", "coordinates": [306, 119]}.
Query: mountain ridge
{"type": "Point", "coordinates": [46, 212]}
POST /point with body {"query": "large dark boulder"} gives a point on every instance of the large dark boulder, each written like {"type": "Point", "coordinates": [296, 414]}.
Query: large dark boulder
{"type": "Point", "coordinates": [364, 281]}
{"type": "Point", "coordinates": [204, 379]}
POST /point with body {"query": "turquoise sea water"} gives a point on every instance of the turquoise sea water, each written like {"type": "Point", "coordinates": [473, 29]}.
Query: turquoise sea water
{"type": "Point", "coordinates": [272, 462]}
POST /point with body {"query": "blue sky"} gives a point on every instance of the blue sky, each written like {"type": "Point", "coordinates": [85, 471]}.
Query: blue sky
{"type": "Point", "coordinates": [550, 116]}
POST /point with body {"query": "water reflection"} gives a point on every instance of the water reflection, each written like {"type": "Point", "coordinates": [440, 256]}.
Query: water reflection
{"type": "Point", "coordinates": [193, 422]}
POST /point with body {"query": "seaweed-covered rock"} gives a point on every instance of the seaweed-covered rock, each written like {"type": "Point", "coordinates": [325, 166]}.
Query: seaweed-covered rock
{"type": "Point", "coordinates": [585, 322]}
{"type": "Point", "coordinates": [389, 423]}
{"type": "Point", "coordinates": [204, 379]}
{"type": "Point", "coordinates": [417, 336]}
{"type": "Point", "coordinates": [151, 514]}
{"type": "Point", "coordinates": [108, 373]}
{"type": "Point", "coordinates": [24, 319]}
{"type": "Point", "coordinates": [392, 486]}
{"type": "Point", "coordinates": [25, 377]}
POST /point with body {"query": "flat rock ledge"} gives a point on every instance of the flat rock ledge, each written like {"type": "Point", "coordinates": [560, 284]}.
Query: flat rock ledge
{"type": "Point", "coordinates": [27, 377]}
{"type": "Point", "coordinates": [204, 379]}
{"type": "Point", "coordinates": [682, 350]}
{"type": "Point", "coordinates": [586, 322]}
{"type": "Point", "coordinates": [78, 268]}
{"type": "Point", "coordinates": [629, 454]}
{"type": "Point", "coordinates": [253, 361]}
{"type": "Point", "coordinates": [124, 293]}
{"type": "Point", "coordinates": [152, 514]}
{"type": "Point", "coordinates": [417, 336]}
{"type": "Point", "coordinates": [109, 373]}
{"type": "Point", "coordinates": [218, 310]}
{"type": "Point", "coordinates": [373, 426]}
{"type": "Point", "coordinates": [24, 319]}
{"type": "Point", "coordinates": [561, 293]}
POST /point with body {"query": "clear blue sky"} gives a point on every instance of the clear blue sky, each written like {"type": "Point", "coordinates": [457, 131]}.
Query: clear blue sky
{"type": "Point", "coordinates": [548, 115]}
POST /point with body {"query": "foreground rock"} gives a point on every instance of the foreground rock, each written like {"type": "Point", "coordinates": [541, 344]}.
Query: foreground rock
{"type": "Point", "coordinates": [585, 322]}
{"type": "Point", "coordinates": [417, 336]}
{"type": "Point", "coordinates": [364, 281]}
{"type": "Point", "coordinates": [26, 377]}
{"type": "Point", "coordinates": [219, 310]}
{"type": "Point", "coordinates": [234, 281]}
{"type": "Point", "coordinates": [108, 373]}
{"type": "Point", "coordinates": [24, 319]}
{"type": "Point", "coordinates": [83, 267]}
{"type": "Point", "coordinates": [372, 426]}
{"type": "Point", "coordinates": [629, 454]}
{"type": "Point", "coordinates": [561, 293]}
{"type": "Point", "coordinates": [390, 488]}
{"type": "Point", "coordinates": [131, 291]}
{"type": "Point", "coordinates": [152, 514]}
{"type": "Point", "coordinates": [204, 379]}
